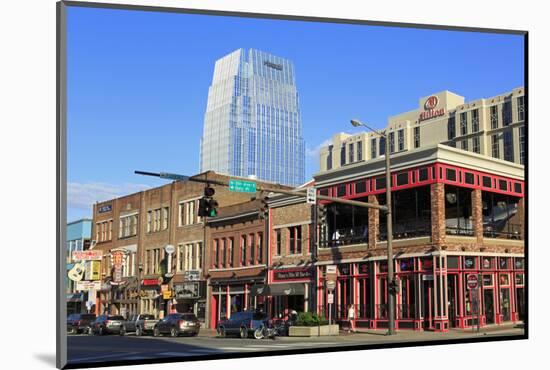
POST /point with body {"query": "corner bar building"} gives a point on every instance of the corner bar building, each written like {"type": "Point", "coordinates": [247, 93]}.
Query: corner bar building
{"type": "Point", "coordinates": [456, 213]}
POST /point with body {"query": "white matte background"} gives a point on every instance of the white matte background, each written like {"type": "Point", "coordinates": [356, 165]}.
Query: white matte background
{"type": "Point", "coordinates": [28, 154]}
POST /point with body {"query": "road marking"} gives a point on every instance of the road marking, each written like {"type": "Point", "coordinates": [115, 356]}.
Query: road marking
{"type": "Point", "coordinates": [99, 357]}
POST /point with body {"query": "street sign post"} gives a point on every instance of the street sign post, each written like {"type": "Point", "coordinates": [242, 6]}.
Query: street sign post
{"type": "Point", "coordinates": [242, 186]}
{"type": "Point", "coordinates": [311, 197]}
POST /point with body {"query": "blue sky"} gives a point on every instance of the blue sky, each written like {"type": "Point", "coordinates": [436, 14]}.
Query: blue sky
{"type": "Point", "coordinates": [138, 83]}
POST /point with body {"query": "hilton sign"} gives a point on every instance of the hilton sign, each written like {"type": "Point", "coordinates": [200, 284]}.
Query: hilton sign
{"type": "Point", "coordinates": [430, 111]}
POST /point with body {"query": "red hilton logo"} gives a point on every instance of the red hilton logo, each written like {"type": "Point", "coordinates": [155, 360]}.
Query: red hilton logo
{"type": "Point", "coordinates": [431, 103]}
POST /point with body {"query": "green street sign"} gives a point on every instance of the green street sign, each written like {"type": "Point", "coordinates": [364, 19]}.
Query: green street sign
{"type": "Point", "coordinates": [242, 186]}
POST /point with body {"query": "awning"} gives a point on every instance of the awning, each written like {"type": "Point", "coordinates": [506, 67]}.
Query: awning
{"type": "Point", "coordinates": [278, 289]}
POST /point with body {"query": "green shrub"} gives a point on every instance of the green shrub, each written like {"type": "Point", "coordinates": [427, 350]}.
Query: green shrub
{"type": "Point", "coordinates": [310, 319]}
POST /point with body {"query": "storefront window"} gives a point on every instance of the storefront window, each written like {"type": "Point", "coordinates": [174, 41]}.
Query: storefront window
{"type": "Point", "coordinates": [487, 280]}
{"type": "Point", "coordinates": [519, 279]}
{"type": "Point", "coordinates": [406, 264]}
{"type": "Point", "coordinates": [519, 263]}
{"type": "Point", "coordinates": [458, 210]}
{"type": "Point", "coordinates": [347, 224]}
{"type": "Point", "coordinates": [501, 218]}
{"type": "Point", "coordinates": [487, 262]}
{"type": "Point", "coordinates": [452, 262]}
{"type": "Point", "coordinates": [469, 262]}
{"type": "Point", "coordinates": [411, 212]}
{"type": "Point", "coordinates": [504, 279]}
{"type": "Point", "coordinates": [504, 263]}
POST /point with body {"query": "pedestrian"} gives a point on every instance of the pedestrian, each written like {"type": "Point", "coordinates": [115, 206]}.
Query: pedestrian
{"type": "Point", "coordinates": [351, 318]}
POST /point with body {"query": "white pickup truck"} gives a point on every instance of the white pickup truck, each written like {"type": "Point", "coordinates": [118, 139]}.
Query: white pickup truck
{"type": "Point", "coordinates": [139, 324]}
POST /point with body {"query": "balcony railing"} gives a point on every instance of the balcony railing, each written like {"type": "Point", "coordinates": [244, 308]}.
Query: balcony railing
{"type": "Point", "coordinates": [509, 231]}
{"type": "Point", "coordinates": [405, 229]}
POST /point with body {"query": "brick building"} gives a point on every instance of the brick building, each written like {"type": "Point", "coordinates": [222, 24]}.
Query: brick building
{"type": "Point", "coordinates": [455, 214]}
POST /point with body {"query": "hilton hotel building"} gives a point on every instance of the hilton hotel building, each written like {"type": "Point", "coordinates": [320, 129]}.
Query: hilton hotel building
{"type": "Point", "coordinates": [458, 211]}
{"type": "Point", "coordinates": [492, 127]}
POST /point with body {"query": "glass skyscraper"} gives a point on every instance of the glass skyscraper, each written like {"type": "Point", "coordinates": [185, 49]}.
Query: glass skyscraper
{"type": "Point", "coordinates": [252, 124]}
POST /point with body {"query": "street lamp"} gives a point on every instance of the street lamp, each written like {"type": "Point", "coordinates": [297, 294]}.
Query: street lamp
{"type": "Point", "coordinates": [391, 279]}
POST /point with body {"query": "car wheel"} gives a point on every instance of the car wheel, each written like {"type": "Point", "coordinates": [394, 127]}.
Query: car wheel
{"type": "Point", "coordinates": [221, 332]}
{"type": "Point", "coordinates": [244, 333]}
{"type": "Point", "coordinates": [174, 332]}
{"type": "Point", "coordinates": [138, 332]}
{"type": "Point", "coordinates": [156, 332]}
{"type": "Point", "coordinates": [122, 331]}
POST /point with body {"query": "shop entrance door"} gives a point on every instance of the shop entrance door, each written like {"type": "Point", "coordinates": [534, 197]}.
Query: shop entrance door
{"type": "Point", "coordinates": [489, 306]}
{"type": "Point", "coordinates": [520, 302]}
{"type": "Point", "coordinates": [296, 303]}
{"type": "Point", "coordinates": [427, 310]}
{"type": "Point", "coordinates": [452, 298]}
{"type": "Point", "coordinates": [505, 303]}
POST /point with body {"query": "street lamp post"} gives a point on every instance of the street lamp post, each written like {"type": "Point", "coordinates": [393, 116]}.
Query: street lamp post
{"type": "Point", "coordinates": [389, 227]}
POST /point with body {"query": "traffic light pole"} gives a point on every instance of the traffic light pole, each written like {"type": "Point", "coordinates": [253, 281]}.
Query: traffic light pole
{"type": "Point", "coordinates": [298, 193]}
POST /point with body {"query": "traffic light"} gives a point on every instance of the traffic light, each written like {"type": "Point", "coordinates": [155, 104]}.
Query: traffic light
{"type": "Point", "coordinates": [264, 207]}
{"type": "Point", "coordinates": [207, 205]}
{"type": "Point", "coordinates": [392, 287]}
{"type": "Point", "coordinates": [321, 214]}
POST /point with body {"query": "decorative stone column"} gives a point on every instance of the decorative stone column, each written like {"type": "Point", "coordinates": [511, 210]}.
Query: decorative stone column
{"type": "Point", "coordinates": [477, 216]}
{"type": "Point", "coordinates": [374, 221]}
{"type": "Point", "coordinates": [437, 194]}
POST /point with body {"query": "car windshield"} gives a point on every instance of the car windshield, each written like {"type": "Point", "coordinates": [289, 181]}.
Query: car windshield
{"type": "Point", "coordinates": [147, 317]}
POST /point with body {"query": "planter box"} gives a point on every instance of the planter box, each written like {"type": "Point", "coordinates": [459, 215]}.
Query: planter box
{"type": "Point", "coordinates": [313, 331]}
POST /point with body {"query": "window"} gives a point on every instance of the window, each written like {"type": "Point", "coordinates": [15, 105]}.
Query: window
{"type": "Point", "coordinates": [128, 226]}
{"type": "Point", "coordinates": [149, 221]}
{"type": "Point", "coordinates": [230, 251]}
{"type": "Point", "coordinates": [487, 181]}
{"type": "Point", "coordinates": [350, 148]}
{"type": "Point", "coordinates": [502, 185]}
{"type": "Point", "coordinates": [451, 127]}
{"type": "Point", "coordinates": [373, 148]}
{"type": "Point", "coordinates": [165, 215]}
{"type": "Point", "coordinates": [392, 142]}
{"type": "Point", "coordinates": [463, 124]}
{"type": "Point", "coordinates": [104, 231]}
{"type": "Point", "coordinates": [507, 113]}
{"type": "Point", "coordinates": [423, 174]}
{"type": "Point", "coordinates": [382, 146]}
{"type": "Point", "coordinates": [380, 183]}
{"type": "Point", "coordinates": [295, 244]}
{"type": "Point", "coordinates": [495, 146]}
{"type": "Point", "coordinates": [508, 146]}
{"type": "Point", "coordinates": [360, 187]}
{"type": "Point", "coordinates": [359, 150]}
{"type": "Point", "coordinates": [198, 256]}
{"type": "Point", "coordinates": [475, 144]}
{"type": "Point", "coordinates": [216, 253]}
{"type": "Point", "coordinates": [517, 187]}
{"type": "Point", "coordinates": [494, 117]}
{"type": "Point", "coordinates": [402, 178]}
{"type": "Point", "coordinates": [329, 157]}
{"type": "Point", "coordinates": [464, 144]}
{"type": "Point", "coordinates": [401, 140]}
{"type": "Point", "coordinates": [475, 120]}
{"type": "Point", "coordinates": [341, 190]}
{"type": "Point", "coordinates": [521, 108]}
{"type": "Point", "coordinates": [180, 258]}
{"type": "Point", "coordinates": [450, 174]}
{"type": "Point", "coordinates": [260, 240]}
{"type": "Point", "coordinates": [243, 250]}
{"type": "Point", "coordinates": [469, 178]}
{"type": "Point", "coordinates": [343, 155]}
{"type": "Point", "coordinates": [522, 145]}
{"type": "Point", "coordinates": [279, 242]}
{"type": "Point", "coordinates": [417, 137]}
{"type": "Point", "coordinates": [252, 248]}
{"type": "Point", "coordinates": [224, 252]}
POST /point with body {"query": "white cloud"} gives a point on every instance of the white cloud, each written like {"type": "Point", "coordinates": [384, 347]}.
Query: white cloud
{"type": "Point", "coordinates": [84, 195]}
{"type": "Point", "coordinates": [314, 152]}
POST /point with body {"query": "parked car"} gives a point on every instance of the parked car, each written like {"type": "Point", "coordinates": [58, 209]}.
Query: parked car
{"type": "Point", "coordinates": [139, 324]}
{"type": "Point", "coordinates": [242, 323]}
{"type": "Point", "coordinates": [79, 322]}
{"type": "Point", "coordinates": [176, 324]}
{"type": "Point", "coordinates": [106, 324]}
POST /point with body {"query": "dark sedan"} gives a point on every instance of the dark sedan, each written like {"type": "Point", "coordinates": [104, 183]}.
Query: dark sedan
{"type": "Point", "coordinates": [106, 324]}
{"type": "Point", "coordinates": [79, 322]}
{"type": "Point", "coordinates": [176, 324]}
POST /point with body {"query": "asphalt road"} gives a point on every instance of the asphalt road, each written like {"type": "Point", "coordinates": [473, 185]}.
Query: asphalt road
{"type": "Point", "coordinates": [88, 349]}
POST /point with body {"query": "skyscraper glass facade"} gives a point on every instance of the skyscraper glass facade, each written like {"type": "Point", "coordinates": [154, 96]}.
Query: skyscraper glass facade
{"type": "Point", "coordinates": [252, 125]}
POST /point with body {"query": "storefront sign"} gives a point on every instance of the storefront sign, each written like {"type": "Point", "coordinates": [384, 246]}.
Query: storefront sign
{"type": "Point", "coordinates": [89, 255]}
{"type": "Point", "coordinates": [472, 281]}
{"type": "Point", "coordinates": [151, 282]}
{"type": "Point", "coordinates": [192, 275]}
{"type": "Point", "coordinates": [105, 208]}
{"type": "Point", "coordinates": [88, 285]}
{"type": "Point", "coordinates": [430, 111]}
{"type": "Point", "coordinates": [93, 270]}
{"type": "Point", "coordinates": [293, 274]}
{"type": "Point", "coordinates": [331, 269]}
{"type": "Point", "coordinates": [427, 277]}
{"type": "Point", "coordinates": [187, 290]}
